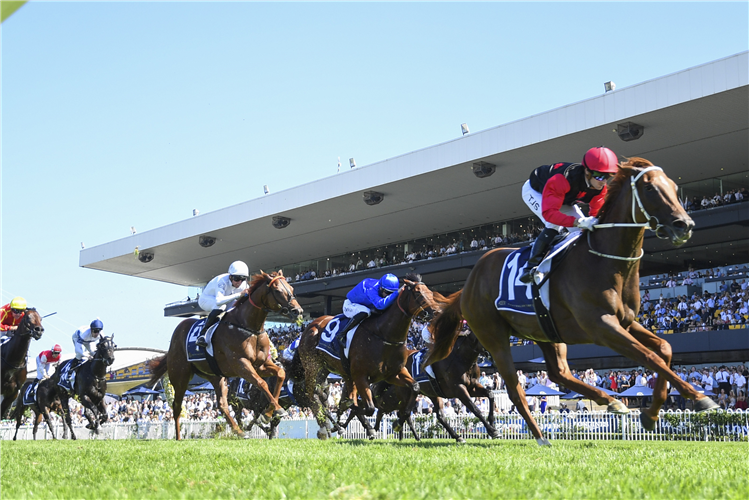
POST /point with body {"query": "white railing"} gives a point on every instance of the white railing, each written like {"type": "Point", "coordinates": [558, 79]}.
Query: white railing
{"type": "Point", "coordinates": [687, 426]}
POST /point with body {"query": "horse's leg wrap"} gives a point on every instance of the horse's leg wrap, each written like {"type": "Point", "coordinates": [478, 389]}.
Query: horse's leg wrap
{"type": "Point", "coordinates": [617, 407]}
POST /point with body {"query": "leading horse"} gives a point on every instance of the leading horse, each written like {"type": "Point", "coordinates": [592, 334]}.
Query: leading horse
{"type": "Point", "coordinates": [13, 354]}
{"type": "Point", "coordinates": [594, 296]}
{"type": "Point", "coordinates": [377, 351]}
{"type": "Point", "coordinates": [241, 348]}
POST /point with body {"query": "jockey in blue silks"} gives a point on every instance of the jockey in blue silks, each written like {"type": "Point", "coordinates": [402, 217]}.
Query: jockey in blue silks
{"type": "Point", "coordinates": [369, 295]}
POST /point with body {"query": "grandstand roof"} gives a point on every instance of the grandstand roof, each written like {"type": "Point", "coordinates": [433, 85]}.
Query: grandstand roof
{"type": "Point", "coordinates": [696, 124]}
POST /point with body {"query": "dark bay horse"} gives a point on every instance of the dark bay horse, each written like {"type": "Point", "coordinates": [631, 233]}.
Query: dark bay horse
{"type": "Point", "coordinates": [90, 385]}
{"type": "Point", "coordinates": [377, 352]}
{"type": "Point", "coordinates": [240, 345]}
{"type": "Point", "coordinates": [13, 354]}
{"type": "Point", "coordinates": [594, 296]}
{"type": "Point", "coordinates": [457, 377]}
{"type": "Point", "coordinates": [47, 399]}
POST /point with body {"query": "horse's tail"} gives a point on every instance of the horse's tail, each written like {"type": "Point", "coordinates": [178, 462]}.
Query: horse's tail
{"type": "Point", "coordinates": [158, 369]}
{"type": "Point", "coordinates": [445, 329]}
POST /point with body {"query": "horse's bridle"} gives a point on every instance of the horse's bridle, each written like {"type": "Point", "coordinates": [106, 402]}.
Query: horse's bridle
{"type": "Point", "coordinates": [419, 299]}
{"type": "Point", "coordinates": [34, 331]}
{"type": "Point", "coordinates": [284, 309]}
{"type": "Point", "coordinates": [636, 203]}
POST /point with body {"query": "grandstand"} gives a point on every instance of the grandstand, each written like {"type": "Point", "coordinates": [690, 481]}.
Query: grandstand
{"type": "Point", "coordinates": [393, 213]}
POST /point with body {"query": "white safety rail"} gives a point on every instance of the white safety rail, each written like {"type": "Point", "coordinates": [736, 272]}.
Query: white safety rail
{"type": "Point", "coordinates": [685, 426]}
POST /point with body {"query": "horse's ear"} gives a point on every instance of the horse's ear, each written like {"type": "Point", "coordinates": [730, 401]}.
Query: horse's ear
{"type": "Point", "coordinates": [280, 272]}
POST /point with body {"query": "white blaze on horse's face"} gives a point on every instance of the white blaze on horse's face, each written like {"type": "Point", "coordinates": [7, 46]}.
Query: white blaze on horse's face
{"type": "Point", "coordinates": [660, 197]}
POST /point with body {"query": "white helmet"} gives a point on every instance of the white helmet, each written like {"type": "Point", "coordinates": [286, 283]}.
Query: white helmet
{"type": "Point", "coordinates": [239, 268]}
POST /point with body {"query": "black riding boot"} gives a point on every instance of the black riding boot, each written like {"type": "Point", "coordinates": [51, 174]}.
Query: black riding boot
{"type": "Point", "coordinates": [538, 252]}
{"type": "Point", "coordinates": [209, 321]}
{"type": "Point", "coordinates": [358, 318]}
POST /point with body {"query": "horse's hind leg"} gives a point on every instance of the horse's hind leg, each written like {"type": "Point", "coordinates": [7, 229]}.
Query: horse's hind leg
{"type": "Point", "coordinates": [179, 377]}
{"type": "Point", "coordinates": [466, 398]}
{"type": "Point", "coordinates": [493, 333]}
{"type": "Point", "coordinates": [438, 405]}
{"type": "Point", "coordinates": [559, 373]}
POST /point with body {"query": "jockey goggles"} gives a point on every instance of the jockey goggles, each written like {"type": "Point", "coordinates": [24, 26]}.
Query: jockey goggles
{"type": "Point", "coordinates": [17, 311]}
{"type": "Point", "coordinates": [600, 176]}
{"type": "Point", "coordinates": [235, 277]}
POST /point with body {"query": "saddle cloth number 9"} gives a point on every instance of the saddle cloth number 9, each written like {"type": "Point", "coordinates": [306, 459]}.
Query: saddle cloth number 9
{"type": "Point", "coordinates": [331, 330]}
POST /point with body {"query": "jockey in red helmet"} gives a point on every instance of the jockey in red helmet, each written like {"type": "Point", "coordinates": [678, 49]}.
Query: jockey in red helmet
{"type": "Point", "coordinates": [552, 190]}
{"type": "Point", "coordinates": [45, 360]}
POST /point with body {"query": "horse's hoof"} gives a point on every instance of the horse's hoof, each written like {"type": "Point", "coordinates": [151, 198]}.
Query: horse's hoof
{"type": "Point", "coordinates": [617, 407]}
{"type": "Point", "coordinates": [280, 413]}
{"type": "Point", "coordinates": [322, 434]}
{"type": "Point", "coordinates": [543, 442]}
{"type": "Point", "coordinates": [705, 404]}
{"type": "Point", "coordinates": [416, 387]}
{"type": "Point", "coordinates": [460, 440]}
{"type": "Point", "coordinates": [647, 423]}
{"type": "Point", "coordinates": [263, 419]}
{"type": "Point", "coordinates": [494, 434]}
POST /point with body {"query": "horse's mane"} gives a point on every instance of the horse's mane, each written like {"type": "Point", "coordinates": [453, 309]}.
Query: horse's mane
{"type": "Point", "coordinates": [256, 281]}
{"type": "Point", "coordinates": [626, 170]}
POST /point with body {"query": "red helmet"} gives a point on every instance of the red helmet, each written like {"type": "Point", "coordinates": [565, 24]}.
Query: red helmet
{"type": "Point", "coordinates": [601, 160]}
{"type": "Point", "coordinates": [57, 348]}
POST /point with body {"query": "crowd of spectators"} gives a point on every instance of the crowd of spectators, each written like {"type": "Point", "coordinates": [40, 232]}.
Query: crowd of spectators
{"type": "Point", "coordinates": [423, 252]}
{"type": "Point", "coordinates": [727, 198]}
{"type": "Point", "coordinates": [727, 308]}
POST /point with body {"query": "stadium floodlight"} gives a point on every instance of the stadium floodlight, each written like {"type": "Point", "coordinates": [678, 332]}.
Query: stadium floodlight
{"type": "Point", "coordinates": [464, 128]}
{"type": "Point", "coordinates": [265, 189]}
{"type": "Point", "coordinates": [352, 163]}
{"type": "Point", "coordinates": [609, 86]}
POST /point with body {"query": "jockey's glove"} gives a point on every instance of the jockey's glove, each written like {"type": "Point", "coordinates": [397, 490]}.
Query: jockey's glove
{"type": "Point", "coordinates": [586, 223]}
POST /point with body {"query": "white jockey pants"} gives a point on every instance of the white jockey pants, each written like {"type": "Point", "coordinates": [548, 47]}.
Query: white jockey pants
{"type": "Point", "coordinates": [351, 309]}
{"type": "Point", "coordinates": [532, 198]}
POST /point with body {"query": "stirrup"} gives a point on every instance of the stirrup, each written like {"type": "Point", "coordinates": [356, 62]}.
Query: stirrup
{"type": "Point", "coordinates": [201, 341]}
{"type": "Point", "coordinates": [527, 276]}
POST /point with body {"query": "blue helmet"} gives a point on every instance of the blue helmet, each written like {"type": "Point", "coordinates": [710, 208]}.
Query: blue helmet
{"type": "Point", "coordinates": [97, 324]}
{"type": "Point", "coordinates": [389, 282]}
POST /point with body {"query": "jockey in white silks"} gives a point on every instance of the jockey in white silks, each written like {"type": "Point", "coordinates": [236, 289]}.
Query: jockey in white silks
{"type": "Point", "coordinates": [220, 293]}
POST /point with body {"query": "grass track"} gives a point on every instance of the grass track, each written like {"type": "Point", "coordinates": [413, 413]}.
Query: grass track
{"type": "Point", "coordinates": [230, 468]}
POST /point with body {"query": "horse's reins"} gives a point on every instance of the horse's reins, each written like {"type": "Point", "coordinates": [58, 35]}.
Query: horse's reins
{"type": "Point", "coordinates": [397, 301]}
{"type": "Point", "coordinates": [270, 284]}
{"type": "Point", "coordinates": [636, 203]}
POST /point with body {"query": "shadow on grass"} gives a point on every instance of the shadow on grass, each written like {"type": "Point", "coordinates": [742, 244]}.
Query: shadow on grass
{"type": "Point", "coordinates": [434, 444]}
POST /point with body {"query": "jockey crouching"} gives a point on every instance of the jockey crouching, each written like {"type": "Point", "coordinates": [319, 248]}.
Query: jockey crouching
{"type": "Point", "coordinates": [551, 192]}
{"type": "Point", "coordinates": [11, 315]}
{"type": "Point", "coordinates": [45, 360]}
{"type": "Point", "coordinates": [367, 295]}
{"type": "Point", "coordinates": [82, 340]}
{"type": "Point", "coordinates": [222, 290]}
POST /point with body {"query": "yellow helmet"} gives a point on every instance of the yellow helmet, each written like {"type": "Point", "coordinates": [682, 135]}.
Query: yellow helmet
{"type": "Point", "coordinates": [18, 303]}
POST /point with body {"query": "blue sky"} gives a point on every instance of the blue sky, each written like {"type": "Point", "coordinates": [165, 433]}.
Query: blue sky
{"type": "Point", "coordinates": [133, 114]}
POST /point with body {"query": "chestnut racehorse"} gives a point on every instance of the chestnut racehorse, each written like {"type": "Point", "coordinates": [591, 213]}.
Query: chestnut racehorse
{"type": "Point", "coordinates": [240, 345]}
{"type": "Point", "coordinates": [13, 354]}
{"type": "Point", "coordinates": [594, 295]}
{"type": "Point", "coordinates": [377, 352]}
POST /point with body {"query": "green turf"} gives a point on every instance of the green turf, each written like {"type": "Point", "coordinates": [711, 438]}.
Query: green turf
{"type": "Point", "coordinates": [230, 468]}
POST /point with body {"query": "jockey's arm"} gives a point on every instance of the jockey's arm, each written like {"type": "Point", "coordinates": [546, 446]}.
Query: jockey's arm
{"type": "Point", "coordinates": [552, 199]}
{"type": "Point", "coordinates": [381, 303]}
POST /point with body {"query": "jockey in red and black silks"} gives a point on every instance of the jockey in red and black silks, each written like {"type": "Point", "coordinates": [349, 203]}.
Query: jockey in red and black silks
{"type": "Point", "coordinates": [552, 190]}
